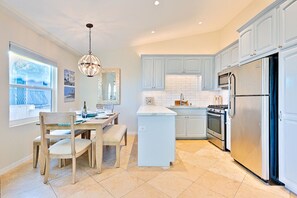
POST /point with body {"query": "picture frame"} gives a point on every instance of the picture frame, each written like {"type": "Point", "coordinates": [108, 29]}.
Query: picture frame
{"type": "Point", "coordinates": [69, 85]}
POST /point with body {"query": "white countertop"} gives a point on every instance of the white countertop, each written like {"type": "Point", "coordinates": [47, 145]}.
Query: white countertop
{"type": "Point", "coordinates": [148, 110]}
{"type": "Point", "coordinates": [186, 107]}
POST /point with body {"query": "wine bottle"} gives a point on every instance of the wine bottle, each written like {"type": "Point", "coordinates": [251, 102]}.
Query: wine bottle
{"type": "Point", "coordinates": [84, 110]}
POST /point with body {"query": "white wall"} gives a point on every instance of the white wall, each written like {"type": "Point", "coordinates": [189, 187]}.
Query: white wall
{"type": "Point", "coordinates": [16, 142]}
{"type": "Point", "coordinates": [129, 63]}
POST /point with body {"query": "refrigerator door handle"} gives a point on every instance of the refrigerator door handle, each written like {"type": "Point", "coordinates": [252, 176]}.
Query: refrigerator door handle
{"type": "Point", "coordinates": [231, 102]}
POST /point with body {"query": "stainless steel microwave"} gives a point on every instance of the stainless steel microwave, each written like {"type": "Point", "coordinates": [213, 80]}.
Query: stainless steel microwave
{"type": "Point", "coordinates": [223, 79]}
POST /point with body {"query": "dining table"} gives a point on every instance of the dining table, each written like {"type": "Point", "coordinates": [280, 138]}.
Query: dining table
{"type": "Point", "coordinates": [95, 123]}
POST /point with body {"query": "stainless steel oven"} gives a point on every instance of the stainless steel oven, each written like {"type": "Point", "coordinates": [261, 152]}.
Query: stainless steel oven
{"type": "Point", "coordinates": [216, 125]}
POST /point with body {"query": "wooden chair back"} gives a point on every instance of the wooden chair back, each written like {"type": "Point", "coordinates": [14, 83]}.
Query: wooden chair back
{"type": "Point", "coordinates": [50, 119]}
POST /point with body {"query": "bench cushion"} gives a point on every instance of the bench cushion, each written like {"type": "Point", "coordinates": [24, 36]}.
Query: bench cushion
{"type": "Point", "coordinates": [113, 133]}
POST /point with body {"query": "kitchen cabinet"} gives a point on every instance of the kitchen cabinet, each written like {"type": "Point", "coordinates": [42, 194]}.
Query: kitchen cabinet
{"type": "Point", "coordinates": [217, 69]}
{"type": "Point", "coordinates": [193, 65]}
{"type": "Point", "coordinates": [229, 56]}
{"type": "Point", "coordinates": [265, 33]}
{"type": "Point", "coordinates": [183, 65]}
{"type": "Point", "coordinates": [234, 55]}
{"type": "Point", "coordinates": [196, 126]}
{"type": "Point", "coordinates": [288, 28]}
{"type": "Point", "coordinates": [174, 65]}
{"type": "Point", "coordinates": [225, 59]}
{"type": "Point", "coordinates": [154, 69]}
{"type": "Point", "coordinates": [180, 126]}
{"type": "Point", "coordinates": [207, 76]}
{"type": "Point", "coordinates": [246, 43]}
{"type": "Point", "coordinates": [153, 72]}
{"type": "Point", "coordinates": [190, 123]}
{"type": "Point", "coordinates": [259, 37]}
{"type": "Point", "coordinates": [288, 118]}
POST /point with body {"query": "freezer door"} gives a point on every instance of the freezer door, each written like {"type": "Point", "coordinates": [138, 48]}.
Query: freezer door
{"type": "Point", "coordinates": [253, 78]}
{"type": "Point", "coordinates": [249, 134]}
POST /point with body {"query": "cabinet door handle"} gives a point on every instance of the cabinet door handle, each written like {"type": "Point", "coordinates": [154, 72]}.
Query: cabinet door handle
{"type": "Point", "coordinates": [280, 46]}
{"type": "Point", "coordinates": [280, 116]}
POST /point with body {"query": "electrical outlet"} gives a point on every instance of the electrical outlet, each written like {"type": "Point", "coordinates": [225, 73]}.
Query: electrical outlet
{"type": "Point", "coordinates": [141, 128]}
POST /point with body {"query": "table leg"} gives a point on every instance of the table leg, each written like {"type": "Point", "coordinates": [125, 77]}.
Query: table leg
{"type": "Point", "coordinates": [116, 120]}
{"type": "Point", "coordinates": [99, 148]}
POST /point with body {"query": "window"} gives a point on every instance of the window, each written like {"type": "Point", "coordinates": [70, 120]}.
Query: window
{"type": "Point", "coordinates": [31, 85]}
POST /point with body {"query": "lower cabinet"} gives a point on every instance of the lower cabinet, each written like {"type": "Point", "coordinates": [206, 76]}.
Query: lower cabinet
{"type": "Point", "coordinates": [190, 123]}
{"type": "Point", "coordinates": [196, 126]}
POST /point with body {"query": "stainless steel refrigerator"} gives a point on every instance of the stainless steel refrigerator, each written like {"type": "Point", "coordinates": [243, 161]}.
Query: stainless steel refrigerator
{"type": "Point", "coordinates": [253, 110]}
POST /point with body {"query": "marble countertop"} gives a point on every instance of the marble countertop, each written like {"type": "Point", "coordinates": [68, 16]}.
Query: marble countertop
{"type": "Point", "coordinates": [186, 107]}
{"type": "Point", "coordinates": [148, 110]}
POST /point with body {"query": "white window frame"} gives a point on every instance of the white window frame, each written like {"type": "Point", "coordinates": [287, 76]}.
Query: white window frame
{"type": "Point", "coordinates": [34, 57]}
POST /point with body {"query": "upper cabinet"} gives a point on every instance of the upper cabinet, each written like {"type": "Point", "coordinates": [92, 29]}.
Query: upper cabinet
{"type": "Point", "coordinates": [217, 69]}
{"type": "Point", "coordinates": [208, 73]}
{"type": "Point", "coordinates": [174, 65]}
{"type": "Point", "coordinates": [183, 65]}
{"type": "Point", "coordinates": [234, 55]}
{"type": "Point", "coordinates": [154, 68]}
{"type": "Point", "coordinates": [258, 38]}
{"type": "Point", "coordinates": [192, 65]}
{"type": "Point", "coordinates": [228, 57]}
{"type": "Point", "coordinates": [225, 59]}
{"type": "Point", "coordinates": [153, 72]}
{"type": "Point", "coordinates": [246, 43]}
{"type": "Point", "coordinates": [288, 28]}
{"type": "Point", "coordinates": [265, 33]}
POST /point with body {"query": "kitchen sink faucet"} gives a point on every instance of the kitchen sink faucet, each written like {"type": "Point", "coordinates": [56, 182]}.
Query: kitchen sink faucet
{"type": "Point", "coordinates": [181, 98]}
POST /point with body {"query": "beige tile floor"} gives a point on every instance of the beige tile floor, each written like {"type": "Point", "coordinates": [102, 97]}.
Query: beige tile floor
{"type": "Point", "coordinates": [200, 170]}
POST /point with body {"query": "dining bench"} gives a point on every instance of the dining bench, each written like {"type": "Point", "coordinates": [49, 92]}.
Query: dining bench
{"type": "Point", "coordinates": [112, 136]}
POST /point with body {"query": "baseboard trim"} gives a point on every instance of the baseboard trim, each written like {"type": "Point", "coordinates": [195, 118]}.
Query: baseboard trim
{"type": "Point", "coordinates": [15, 164]}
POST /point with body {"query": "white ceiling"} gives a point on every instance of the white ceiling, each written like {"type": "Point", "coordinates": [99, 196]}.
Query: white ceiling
{"type": "Point", "coordinates": [118, 23]}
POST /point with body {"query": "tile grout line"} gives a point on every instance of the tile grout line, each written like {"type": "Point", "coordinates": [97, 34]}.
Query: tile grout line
{"type": "Point", "coordinates": [53, 190]}
{"type": "Point", "coordinates": [102, 187]}
{"type": "Point", "coordinates": [240, 185]}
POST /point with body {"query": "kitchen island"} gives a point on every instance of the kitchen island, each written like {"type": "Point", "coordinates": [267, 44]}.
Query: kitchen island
{"type": "Point", "coordinates": [156, 136]}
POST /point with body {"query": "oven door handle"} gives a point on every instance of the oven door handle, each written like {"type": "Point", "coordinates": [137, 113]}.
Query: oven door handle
{"type": "Point", "coordinates": [213, 114]}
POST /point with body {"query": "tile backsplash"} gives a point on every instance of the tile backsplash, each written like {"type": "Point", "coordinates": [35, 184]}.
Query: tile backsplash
{"type": "Point", "coordinates": [189, 86]}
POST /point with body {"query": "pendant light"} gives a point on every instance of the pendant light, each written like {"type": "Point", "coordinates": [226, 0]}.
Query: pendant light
{"type": "Point", "coordinates": [89, 64]}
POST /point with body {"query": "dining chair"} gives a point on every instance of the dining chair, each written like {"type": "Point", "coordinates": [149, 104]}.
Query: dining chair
{"type": "Point", "coordinates": [108, 108]}
{"type": "Point", "coordinates": [68, 147]}
{"type": "Point", "coordinates": [86, 134]}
